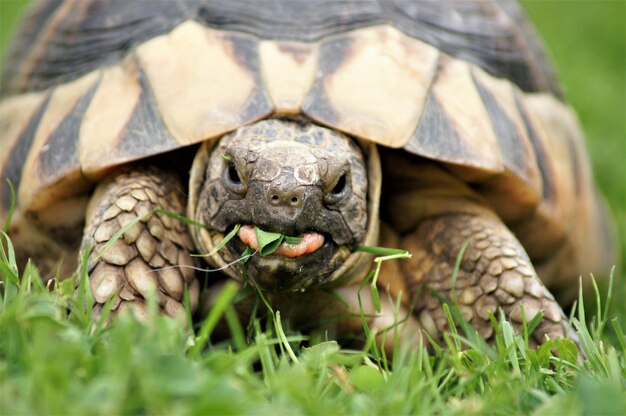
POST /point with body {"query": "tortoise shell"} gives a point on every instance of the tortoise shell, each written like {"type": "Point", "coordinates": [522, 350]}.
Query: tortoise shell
{"type": "Point", "coordinates": [94, 84]}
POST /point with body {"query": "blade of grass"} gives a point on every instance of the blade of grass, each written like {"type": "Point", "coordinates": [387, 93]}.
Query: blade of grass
{"type": "Point", "coordinates": [179, 217]}
{"type": "Point", "coordinates": [81, 303]}
{"type": "Point", "coordinates": [455, 337]}
{"type": "Point", "coordinates": [222, 243]}
{"type": "Point", "coordinates": [236, 330]}
{"type": "Point", "coordinates": [265, 355]}
{"type": "Point", "coordinates": [283, 338]}
{"type": "Point", "coordinates": [398, 254]}
{"type": "Point", "coordinates": [370, 345]}
{"type": "Point", "coordinates": [381, 251]}
{"type": "Point", "coordinates": [457, 267]}
{"type": "Point", "coordinates": [603, 312]}
{"type": "Point", "coordinates": [509, 342]}
{"type": "Point", "coordinates": [621, 338]}
{"type": "Point", "coordinates": [142, 218]}
{"type": "Point", "coordinates": [8, 257]}
{"type": "Point", "coordinates": [7, 221]}
{"type": "Point", "coordinates": [217, 310]}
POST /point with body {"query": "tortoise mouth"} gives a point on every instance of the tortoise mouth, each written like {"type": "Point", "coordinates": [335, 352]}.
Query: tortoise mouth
{"type": "Point", "coordinates": [291, 267]}
{"type": "Point", "coordinates": [280, 244]}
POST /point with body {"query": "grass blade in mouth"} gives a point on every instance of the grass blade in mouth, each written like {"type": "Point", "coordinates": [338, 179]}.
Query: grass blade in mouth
{"type": "Point", "coordinates": [267, 241]}
{"type": "Point", "coordinates": [292, 240]}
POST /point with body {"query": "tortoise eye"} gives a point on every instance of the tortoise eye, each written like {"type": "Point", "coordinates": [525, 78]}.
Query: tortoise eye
{"type": "Point", "coordinates": [340, 186]}
{"type": "Point", "coordinates": [233, 175]}
{"type": "Point", "coordinates": [232, 179]}
{"type": "Point", "coordinates": [339, 191]}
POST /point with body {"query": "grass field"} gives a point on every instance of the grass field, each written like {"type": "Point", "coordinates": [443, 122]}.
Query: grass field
{"type": "Point", "coordinates": [55, 360]}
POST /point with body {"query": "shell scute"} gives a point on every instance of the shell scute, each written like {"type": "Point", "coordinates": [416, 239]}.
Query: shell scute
{"type": "Point", "coordinates": [288, 71]}
{"type": "Point", "coordinates": [521, 180]}
{"type": "Point", "coordinates": [458, 130]}
{"type": "Point", "coordinates": [106, 118]}
{"type": "Point", "coordinates": [516, 150]}
{"type": "Point", "coordinates": [555, 129]}
{"type": "Point", "coordinates": [202, 86]}
{"type": "Point", "coordinates": [372, 83]}
{"type": "Point", "coordinates": [123, 124]}
{"type": "Point", "coordinates": [60, 108]}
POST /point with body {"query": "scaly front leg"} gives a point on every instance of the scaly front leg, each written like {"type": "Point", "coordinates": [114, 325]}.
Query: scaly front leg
{"type": "Point", "coordinates": [495, 272]}
{"type": "Point", "coordinates": [152, 254]}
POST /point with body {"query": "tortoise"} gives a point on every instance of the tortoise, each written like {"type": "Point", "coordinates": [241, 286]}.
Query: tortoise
{"type": "Point", "coordinates": [438, 127]}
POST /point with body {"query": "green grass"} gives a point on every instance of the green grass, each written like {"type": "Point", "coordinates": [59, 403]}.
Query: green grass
{"type": "Point", "coordinates": [54, 359]}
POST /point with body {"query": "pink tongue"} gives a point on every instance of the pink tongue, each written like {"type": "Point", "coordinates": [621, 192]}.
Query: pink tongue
{"type": "Point", "coordinates": [311, 241]}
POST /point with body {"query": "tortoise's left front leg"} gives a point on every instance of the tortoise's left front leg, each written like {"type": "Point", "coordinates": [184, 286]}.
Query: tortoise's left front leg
{"type": "Point", "coordinates": [495, 273]}
{"type": "Point", "coordinates": [151, 255]}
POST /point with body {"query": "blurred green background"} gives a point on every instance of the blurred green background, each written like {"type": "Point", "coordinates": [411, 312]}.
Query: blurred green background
{"type": "Point", "coordinates": [587, 40]}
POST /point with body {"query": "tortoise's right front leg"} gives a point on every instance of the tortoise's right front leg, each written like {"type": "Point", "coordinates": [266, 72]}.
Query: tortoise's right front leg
{"type": "Point", "coordinates": [495, 273]}
{"type": "Point", "coordinates": [150, 256]}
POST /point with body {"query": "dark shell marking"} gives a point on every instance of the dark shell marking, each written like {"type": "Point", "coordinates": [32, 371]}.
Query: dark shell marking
{"type": "Point", "coordinates": [60, 156]}
{"type": "Point", "coordinates": [145, 128]}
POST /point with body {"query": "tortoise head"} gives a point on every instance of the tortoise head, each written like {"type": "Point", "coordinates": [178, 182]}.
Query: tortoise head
{"type": "Point", "coordinates": [293, 178]}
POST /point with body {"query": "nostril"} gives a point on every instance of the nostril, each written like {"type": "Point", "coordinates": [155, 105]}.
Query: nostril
{"type": "Point", "coordinates": [285, 191]}
{"type": "Point", "coordinates": [289, 200]}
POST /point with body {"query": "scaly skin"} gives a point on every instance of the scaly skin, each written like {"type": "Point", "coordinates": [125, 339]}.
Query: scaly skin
{"type": "Point", "coordinates": [153, 254]}
{"type": "Point", "coordinates": [495, 272]}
